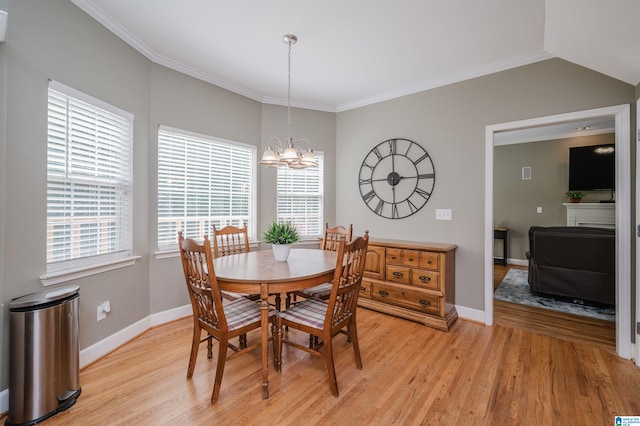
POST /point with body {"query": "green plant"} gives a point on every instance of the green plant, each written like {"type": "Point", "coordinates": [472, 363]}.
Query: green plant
{"type": "Point", "coordinates": [281, 233]}
{"type": "Point", "coordinates": [575, 194]}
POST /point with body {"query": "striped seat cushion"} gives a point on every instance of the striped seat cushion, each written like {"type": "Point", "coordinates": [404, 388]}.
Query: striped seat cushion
{"type": "Point", "coordinates": [241, 312]}
{"type": "Point", "coordinates": [310, 312]}
{"type": "Point", "coordinates": [322, 291]}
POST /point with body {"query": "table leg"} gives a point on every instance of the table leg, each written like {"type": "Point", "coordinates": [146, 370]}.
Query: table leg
{"type": "Point", "coordinates": [264, 322]}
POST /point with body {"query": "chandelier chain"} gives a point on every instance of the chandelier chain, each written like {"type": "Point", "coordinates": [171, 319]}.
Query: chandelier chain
{"type": "Point", "coordinates": [289, 96]}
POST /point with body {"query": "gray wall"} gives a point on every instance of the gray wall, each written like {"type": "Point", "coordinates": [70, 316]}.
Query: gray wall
{"type": "Point", "coordinates": [449, 122]}
{"type": "Point", "coordinates": [515, 200]}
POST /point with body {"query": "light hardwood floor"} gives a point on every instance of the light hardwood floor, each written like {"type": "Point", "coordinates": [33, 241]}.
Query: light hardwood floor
{"type": "Point", "coordinates": [412, 374]}
{"type": "Point", "coordinates": [569, 327]}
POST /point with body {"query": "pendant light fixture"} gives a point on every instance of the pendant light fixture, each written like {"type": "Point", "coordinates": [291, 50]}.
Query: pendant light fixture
{"type": "Point", "coordinates": [288, 153]}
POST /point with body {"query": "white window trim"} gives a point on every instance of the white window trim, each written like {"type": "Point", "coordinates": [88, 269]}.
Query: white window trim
{"type": "Point", "coordinates": [85, 271]}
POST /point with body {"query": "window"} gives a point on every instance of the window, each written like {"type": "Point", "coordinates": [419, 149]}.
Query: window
{"type": "Point", "coordinates": [89, 155]}
{"type": "Point", "coordinates": [300, 197]}
{"type": "Point", "coordinates": [202, 182]}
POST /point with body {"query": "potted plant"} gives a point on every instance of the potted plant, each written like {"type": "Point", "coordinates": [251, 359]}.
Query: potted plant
{"type": "Point", "coordinates": [281, 236]}
{"type": "Point", "coordinates": [575, 196]}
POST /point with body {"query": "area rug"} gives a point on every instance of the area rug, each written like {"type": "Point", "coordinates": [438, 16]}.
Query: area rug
{"type": "Point", "coordinates": [515, 288]}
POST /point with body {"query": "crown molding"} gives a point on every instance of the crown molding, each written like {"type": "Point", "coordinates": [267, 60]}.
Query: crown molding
{"type": "Point", "coordinates": [96, 13]}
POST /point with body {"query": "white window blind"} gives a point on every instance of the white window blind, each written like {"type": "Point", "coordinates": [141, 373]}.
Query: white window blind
{"type": "Point", "coordinates": [301, 197]}
{"type": "Point", "coordinates": [202, 182]}
{"type": "Point", "coordinates": [89, 156]}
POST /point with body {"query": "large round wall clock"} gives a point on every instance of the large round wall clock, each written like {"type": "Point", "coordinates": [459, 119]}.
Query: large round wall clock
{"type": "Point", "coordinates": [396, 178]}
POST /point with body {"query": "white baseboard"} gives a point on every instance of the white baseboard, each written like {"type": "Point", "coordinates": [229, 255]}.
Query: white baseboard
{"type": "Point", "coordinates": [104, 346]}
{"type": "Point", "coordinates": [519, 262]}
{"type": "Point", "coordinates": [470, 314]}
{"type": "Point", "coordinates": [170, 315]}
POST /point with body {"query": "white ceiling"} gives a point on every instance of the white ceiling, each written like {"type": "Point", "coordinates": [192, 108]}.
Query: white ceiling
{"type": "Point", "coordinates": [356, 52]}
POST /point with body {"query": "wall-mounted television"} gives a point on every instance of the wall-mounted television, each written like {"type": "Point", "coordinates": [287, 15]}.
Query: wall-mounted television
{"type": "Point", "coordinates": [592, 168]}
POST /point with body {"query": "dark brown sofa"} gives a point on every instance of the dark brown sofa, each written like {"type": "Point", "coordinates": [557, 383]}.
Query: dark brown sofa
{"type": "Point", "coordinates": [573, 262]}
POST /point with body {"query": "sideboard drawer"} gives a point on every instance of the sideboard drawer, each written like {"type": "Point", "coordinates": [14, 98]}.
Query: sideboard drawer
{"type": "Point", "coordinates": [430, 260]}
{"type": "Point", "coordinates": [398, 274]}
{"type": "Point", "coordinates": [365, 289]}
{"type": "Point", "coordinates": [394, 256]}
{"type": "Point", "coordinates": [424, 278]}
{"type": "Point", "coordinates": [411, 258]}
{"type": "Point", "coordinates": [408, 297]}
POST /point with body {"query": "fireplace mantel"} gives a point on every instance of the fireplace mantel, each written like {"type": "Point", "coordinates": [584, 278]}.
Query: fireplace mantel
{"type": "Point", "coordinates": [599, 215]}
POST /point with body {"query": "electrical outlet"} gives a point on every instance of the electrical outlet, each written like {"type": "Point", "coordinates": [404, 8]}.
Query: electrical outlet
{"type": "Point", "coordinates": [101, 313]}
{"type": "Point", "coordinates": [539, 210]}
{"type": "Point", "coordinates": [103, 309]}
{"type": "Point", "coordinates": [443, 214]}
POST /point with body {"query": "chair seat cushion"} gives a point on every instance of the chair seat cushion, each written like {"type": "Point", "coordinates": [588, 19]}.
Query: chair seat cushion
{"type": "Point", "coordinates": [310, 312]}
{"type": "Point", "coordinates": [241, 312]}
{"type": "Point", "coordinates": [322, 291]}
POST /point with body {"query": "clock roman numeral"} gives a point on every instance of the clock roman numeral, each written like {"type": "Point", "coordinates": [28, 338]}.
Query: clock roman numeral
{"type": "Point", "coordinates": [379, 207]}
{"type": "Point", "coordinates": [412, 207]}
{"type": "Point", "coordinates": [426, 176]}
{"type": "Point", "coordinates": [393, 146]}
{"type": "Point", "coordinates": [421, 158]}
{"type": "Point", "coordinates": [366, 181]}
{"type": "Point", "coordinates": [377, 153]}
{"type": "Point", "coordinates": [365, 164]}
{"type": "Point", "coordinates": [423, 193]}
{"type": "Point", "coordinates": [368, 196]}
{"type": "Point", "coordinates": [394, 212]}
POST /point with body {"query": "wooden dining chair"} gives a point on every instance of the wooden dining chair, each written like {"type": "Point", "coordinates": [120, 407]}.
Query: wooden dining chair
{"type": "Point", "coordinates": [330, 241]}
{"type": "Point", "coordinates": [221, 321]}
{"type": "Point", "coordinates": [232, 240]}
{"type": "Point", "coordinates": [327, 319]}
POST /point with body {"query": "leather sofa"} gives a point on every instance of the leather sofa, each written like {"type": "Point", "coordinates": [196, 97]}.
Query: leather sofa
{"type": "Point", "coordinates": [573, 262]}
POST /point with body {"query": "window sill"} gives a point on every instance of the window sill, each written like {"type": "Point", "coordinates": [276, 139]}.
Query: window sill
{"type": "Point", "coordinates": [86, 271]}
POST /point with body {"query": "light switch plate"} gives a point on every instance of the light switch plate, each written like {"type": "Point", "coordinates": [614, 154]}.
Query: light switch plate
{"type": "Point", "coordinates": [443, 214]}
{"type": "Point", "coordinates": [539, 210]}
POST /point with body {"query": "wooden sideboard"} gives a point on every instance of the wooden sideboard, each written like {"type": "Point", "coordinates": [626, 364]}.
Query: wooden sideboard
{"type": "Point", "coordinates": [411, 280]}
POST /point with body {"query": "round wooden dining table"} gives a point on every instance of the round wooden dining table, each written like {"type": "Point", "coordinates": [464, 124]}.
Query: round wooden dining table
{"type": "Point", "coordinates": [258, 272]}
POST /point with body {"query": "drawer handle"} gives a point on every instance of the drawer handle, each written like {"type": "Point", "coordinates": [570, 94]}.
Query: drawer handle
{"type": "Point", "coordinates": [383, 293]}
{"type": "Point", "coordinates": [363, 289]}
{"type": "Point", "coordinates": [429, 261]}
{"type": "Point", "coordinates": [393, 257]}
{"type": "Point", "coordinates": [425, 279]}
{"type": "Point", "coordinates": [424, 303]}
{"type": "Point", "coordinates": [397, 274]}
{"type": "Point", "coordinates": [410, 259]}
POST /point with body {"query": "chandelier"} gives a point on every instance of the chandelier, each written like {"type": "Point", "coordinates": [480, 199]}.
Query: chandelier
{"type": "Point", "coordinates": [288, 153]}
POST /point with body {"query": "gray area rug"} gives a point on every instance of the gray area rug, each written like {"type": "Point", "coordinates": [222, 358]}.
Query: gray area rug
{"type": "Point", "coordinates": [515, 288]}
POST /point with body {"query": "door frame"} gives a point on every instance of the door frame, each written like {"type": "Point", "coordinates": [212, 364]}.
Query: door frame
{"type": "Point", "coordinates": [621, 114]}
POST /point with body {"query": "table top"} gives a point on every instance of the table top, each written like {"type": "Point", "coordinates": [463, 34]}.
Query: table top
{"type": "Point", "coordinates": [303, 268]}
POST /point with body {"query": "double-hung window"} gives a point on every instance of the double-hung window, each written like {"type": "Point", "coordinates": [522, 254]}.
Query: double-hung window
{"type": "Point", "coordinates": [89, 181]}
{"type": "Point", "coordinates": [202, 181]}
{"type": "Point", "coordinates": [301, 198]}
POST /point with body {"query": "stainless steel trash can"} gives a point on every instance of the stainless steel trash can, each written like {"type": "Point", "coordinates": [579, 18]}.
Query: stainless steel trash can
{"type": "Point", "coordinates": [44, 355]}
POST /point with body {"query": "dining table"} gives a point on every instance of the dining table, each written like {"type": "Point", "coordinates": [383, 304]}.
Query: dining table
{"type": "Point", "coordinates": [258, 272]}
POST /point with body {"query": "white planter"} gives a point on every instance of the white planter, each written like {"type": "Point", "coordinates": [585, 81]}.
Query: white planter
{"type": "Point", "coordinates": [281, 251]}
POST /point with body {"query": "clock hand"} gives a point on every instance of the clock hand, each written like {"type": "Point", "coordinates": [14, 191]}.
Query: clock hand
{"type": "Point", "coordinates": [384, 179]}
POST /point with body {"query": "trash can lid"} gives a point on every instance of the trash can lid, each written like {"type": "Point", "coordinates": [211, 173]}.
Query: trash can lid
{"type": "Point", "coordinates": [43, 297]}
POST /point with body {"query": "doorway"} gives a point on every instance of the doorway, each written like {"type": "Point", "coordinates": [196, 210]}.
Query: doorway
{"type": "Point", "coordinates": [621, 115]}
